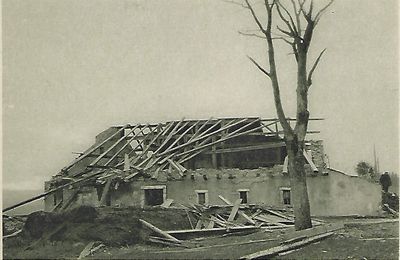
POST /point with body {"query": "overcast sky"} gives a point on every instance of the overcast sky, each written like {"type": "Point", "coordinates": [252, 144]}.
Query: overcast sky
{"type": "Point", "coordinates": [73, 68]}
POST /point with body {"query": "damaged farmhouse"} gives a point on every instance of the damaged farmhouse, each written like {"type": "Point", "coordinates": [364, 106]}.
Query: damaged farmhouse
{"type": "Point", "coordinates": [196, 162]}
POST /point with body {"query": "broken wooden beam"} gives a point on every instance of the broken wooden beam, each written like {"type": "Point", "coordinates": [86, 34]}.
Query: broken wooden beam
{"type": "Point", "coordinates": [212, 231]}
{"type": "Point", "coordinates": [159, 231]}
{"type": "Point", "coordinates": [93, 149]}
{"type": "Point", "coordinates": [167, 242]}
{"type": "Point", "coordinates": [167, 203]}
{"type": "Point", "coordinates": [265, 254]}
{"type": "Point", "coordinates": [51, 191]}
{"type": "Point", "coordinates": [234, 210]}
{"type": "Point", "coordinates": [310, 161]}
{"type": "Point", "coordinates": [241, 213]}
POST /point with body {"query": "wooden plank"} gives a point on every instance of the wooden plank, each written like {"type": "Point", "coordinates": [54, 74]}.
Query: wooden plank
{"type": "Point", "coordinates": [244, 127]}
{"type": "Point", "coordinates": [248, 148]}
{"type": "Point", "coordinates": [159, 231]}
{"type": "Point", "coordinates": [241, 213]}
{"type": "Point", "coordinates": [190, 156]}
{"type": "Point", "coordinates": [51, 191]}
{"type": "Point", "coordinates": [199, 224]}
{"type": "Point", "coordinates": [172, 163]}
{"type": "Point", "coordinates": [285, 165]}
{"type": "Point", "coordinates": [152, 142]}
{"type": "Point", "coordinates": [110, 148]}
{"type": "Point", "coordinates": [182, 233]}
{"type": "Point", "coordinates": [280, 249]}
{"type": "Point", "coordinates": [70, 200]}
{"type": "Point", "coordinates": [93, 149]}
{"type": "Point", "coordinates": [86, 251]}
{"type": "Point", "coordinates": [13, 234]}
{"type": "Point", "coordinates": [190, 221]}
{"type": "Point", "coordinates": [203, 147]}
{"type": "Point", "coordinates": [227, 202]}
{"type": "Point", "coordinates": [167, 203]}
{"type": "Point", "coordinates": [203, 136]}
{"type": "Point", "coordinates": [90, 249]}
{"type": "Point", "coordinates": [180, 137]}
{"type": "Point", "coordinates": [309, 160]}
{"type": "Point", "coordinates": [198, 131]}
{"type": "Point", "coordinates": [130, 176]}
{"type": "Point", "coordinates": [158, 240]}
{"type": "Point", "coordinates": [235, 210]}
{"type": "Point", "coordinates": [173, 131]}
{"type": "Point", "coordinates": [125, 145]}
{"type": "Point", "coordinates": [279, 214]}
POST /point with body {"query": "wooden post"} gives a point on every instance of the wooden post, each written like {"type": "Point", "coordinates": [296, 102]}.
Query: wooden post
{"type": "Point", "coordinates": [214, 155]}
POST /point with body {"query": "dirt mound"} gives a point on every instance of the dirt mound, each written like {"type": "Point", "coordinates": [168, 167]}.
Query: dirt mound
{"type": "Point", "coordinates": [111, 226]}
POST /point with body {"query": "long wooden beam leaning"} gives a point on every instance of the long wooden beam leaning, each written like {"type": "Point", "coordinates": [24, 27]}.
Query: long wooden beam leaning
{"type": "Point", "coordinates": [93, 149]}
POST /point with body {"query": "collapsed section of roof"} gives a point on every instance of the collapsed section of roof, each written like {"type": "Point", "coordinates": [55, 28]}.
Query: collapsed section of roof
{"type": "Point", "coordinates": [244, 143]}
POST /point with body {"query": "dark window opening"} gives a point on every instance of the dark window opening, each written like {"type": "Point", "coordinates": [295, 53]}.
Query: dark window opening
{"type": "Point", "coordinates": [243, 196]}
{"type": "Point", "coordinates": [153, 197]}
{"type": "Point", "coordinates": [286, 197]}
{"type": "Point", "coordinates": [201, 198]}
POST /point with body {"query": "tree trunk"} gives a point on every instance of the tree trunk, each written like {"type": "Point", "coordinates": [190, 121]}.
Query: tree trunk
{"type": "Point", "coordinates": [299, 195]}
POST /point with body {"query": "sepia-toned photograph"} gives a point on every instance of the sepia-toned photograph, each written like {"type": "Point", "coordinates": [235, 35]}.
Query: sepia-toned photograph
{"type": "Point", "coordinates": [200, 129]}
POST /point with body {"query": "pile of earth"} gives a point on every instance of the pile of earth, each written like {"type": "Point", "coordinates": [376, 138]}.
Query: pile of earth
{"type": "Point", "coordinates": [110, 226]}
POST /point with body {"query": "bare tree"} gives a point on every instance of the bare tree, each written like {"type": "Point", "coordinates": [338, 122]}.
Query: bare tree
{"type": "Point", "coordinates": [299, 21]}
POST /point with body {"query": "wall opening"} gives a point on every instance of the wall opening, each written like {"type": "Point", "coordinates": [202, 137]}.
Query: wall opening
{"type": "Point", "coordinates": [244, 195]}
{"type": "Point", "coordinates": [202, 197]}
{"type": "Point", "coordinates": [154, 195]}
{"type": "Point", "coordinates": [285, 195]}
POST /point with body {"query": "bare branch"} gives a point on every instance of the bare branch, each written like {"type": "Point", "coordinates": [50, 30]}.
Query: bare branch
{"type": "Point", "coordinates": [252, 35]}
{"type": "Point", "coordinates": [307, 15]}
{"type": "Point", "coordinates": [323, 10]}
{"type": "Point", "coordinates": [297, 14]}
{"type": "Point", "coordinates": [255, 17]}
{"type": "Point", "coordinates": [259, 67]}
{"type": "Point", "coordinates": [319, 14]}
{"type": "Point", "coordinates": [283, 39]}
{"type": "Point", "coordinates": [309, 79]}
{"type": "Point", "coordinates": [290, 25]}
{"type": "Point", "coordinates": [286, 32]}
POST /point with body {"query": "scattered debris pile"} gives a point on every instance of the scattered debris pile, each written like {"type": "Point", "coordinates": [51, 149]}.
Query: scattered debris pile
{"type": "Point", "coordinates": [390, 202]}
{"type": "Point", "coordinates": [229, 219]}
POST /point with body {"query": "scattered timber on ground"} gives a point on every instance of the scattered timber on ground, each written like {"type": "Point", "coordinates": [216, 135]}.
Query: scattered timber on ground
{"type": "Point", "coordinates": [159, 231]}
{"type": "Point", "coordinates": [283, 248]}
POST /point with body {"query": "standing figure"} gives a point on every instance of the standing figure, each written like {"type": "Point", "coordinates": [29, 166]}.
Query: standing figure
{"type": "Point", "coordinates": [385, 181]}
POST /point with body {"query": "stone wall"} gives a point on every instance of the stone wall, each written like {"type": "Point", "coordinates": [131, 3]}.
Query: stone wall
{"type": "Point", "coordinates": [334, 194]}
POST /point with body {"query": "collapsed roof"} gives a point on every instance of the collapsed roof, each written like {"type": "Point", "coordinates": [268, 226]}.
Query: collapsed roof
{"type": "Point", "coordinates": [177, 145]}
